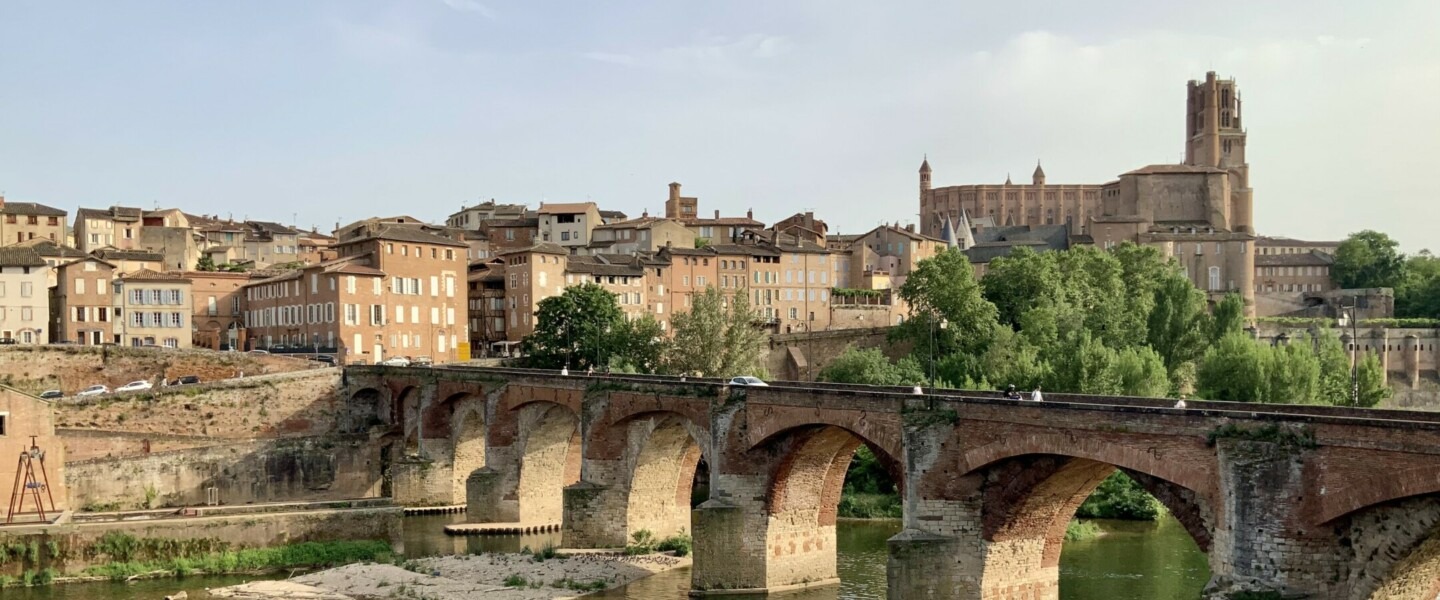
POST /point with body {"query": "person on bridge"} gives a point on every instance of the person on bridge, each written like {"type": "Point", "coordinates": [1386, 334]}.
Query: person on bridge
{"type": "Point", "coordinates": [1036, 396]}
{"type": "Point", "coordinates": [1011, 393]}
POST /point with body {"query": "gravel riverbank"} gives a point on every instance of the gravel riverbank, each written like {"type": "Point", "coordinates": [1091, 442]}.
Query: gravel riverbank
{"type": "Point", "coordinates": [462, 577]}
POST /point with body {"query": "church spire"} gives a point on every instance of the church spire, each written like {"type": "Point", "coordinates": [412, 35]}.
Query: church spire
{"type": "Point", "coordinates": [1038, 178]}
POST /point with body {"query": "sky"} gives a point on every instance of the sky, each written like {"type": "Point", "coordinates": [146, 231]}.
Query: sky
{"type": "Point", "coordinates": [317, 112]}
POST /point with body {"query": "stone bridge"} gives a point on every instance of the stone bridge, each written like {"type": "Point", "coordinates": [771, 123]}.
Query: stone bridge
{"type": "Point", "coordinates": [1306, 501]}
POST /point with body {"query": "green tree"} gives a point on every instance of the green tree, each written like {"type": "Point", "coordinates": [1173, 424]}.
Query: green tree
{"type": "Point", "coordinates": [1177, 324]}
{"type": "Point", "coordinates": [1227, 318]}
{"type": "Point", "coordinates": [1371, 378]}
{"type": "Point", "coordinates": [1418, 295]}
{"type": "Point", "coordinates": [717, 337]}
{"type": "Point", "coordinates": [1019, 282]}
{"type": "Point", "coordinates": [577, 328]}
{"type": "Point", "coordinates": [871, 367]}
{"type": "Point", "coordinates": [1234, 370]}
{"type": "Point", "coordinates": [1119, 497]}
{"type": "Point", "coordinates": [1368, 259]}
{"type": "Point", "coordinates": [946, 303]}
{"type": "Point", "coordinates": [1094, 285]}
{"type": "Point", "coordinates": [1141, 372]}
{"type": "Point", "coordinates": [1143, 269]}
{"type": "Point", "coordinates": [205, 264]}
{"type": "Point", "coordinates": [1293, 373]}
{"type": "Point", "coordinates": [1334, 359]}
{"type": "Point", "coordinates": [639, 345]}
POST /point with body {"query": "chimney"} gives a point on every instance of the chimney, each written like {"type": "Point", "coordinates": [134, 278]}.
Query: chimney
{"type": "Point", "coordinates": [910, 227]}
{"type": "Point", "coordinates": [717, 212]}
{"type": "Point", "coordinates": [2, 200]}
{"type": "Point", "coordinates": [750, 214]}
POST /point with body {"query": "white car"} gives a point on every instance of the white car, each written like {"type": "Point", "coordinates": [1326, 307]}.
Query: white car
{"type": "Point", "coordinates": [94, 390]}
{"type": "Point", "coordinates": [747, 380]}
{"type": "Point", "coordinates": [135, 386]}
{"type": "Point", "coordinates": [396, 361]}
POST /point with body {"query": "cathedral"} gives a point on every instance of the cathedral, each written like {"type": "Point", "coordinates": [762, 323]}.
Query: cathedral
{"type": "Point", "coordinates": [1198, 212]}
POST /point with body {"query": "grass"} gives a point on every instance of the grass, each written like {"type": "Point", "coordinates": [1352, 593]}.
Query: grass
{"type": "Point", "coordinates": [645, 542]}
{"type": "Point", "coordinates": [1077, 530]}
{"type": "Point", "coordinates": [307, 554]}
{"type": "Point", "coordinates": [860, 505]}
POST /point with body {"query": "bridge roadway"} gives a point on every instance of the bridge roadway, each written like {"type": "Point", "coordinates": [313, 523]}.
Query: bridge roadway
{"type": "Point", "coordinates": [1304, 501]}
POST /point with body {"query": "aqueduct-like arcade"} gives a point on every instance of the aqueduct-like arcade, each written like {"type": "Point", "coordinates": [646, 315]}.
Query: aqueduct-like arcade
{"type": "Point", "coordinates": [1320, 502]}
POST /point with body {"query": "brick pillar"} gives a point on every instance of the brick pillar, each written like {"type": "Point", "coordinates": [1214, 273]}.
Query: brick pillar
{"type": "Point", "coordinates": [484, 491]}
{"type": "Point", "coordinates": [928, 558]}
{"type": "Point", "coordinates": [1262, 545]}
{"type": "Point", "coordinates": [729, 529]}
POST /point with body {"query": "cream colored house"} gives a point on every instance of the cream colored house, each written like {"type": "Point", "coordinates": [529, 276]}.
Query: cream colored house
{"type": "Point", "coordinates": [24, 295]}
{"type": "Point", "coordinates": [155, 309]}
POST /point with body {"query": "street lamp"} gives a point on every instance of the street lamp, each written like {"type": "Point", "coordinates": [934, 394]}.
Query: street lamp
{"type": "Point", "coordinates": [1348, 317]}
{"type": "Point", "coordinates": [944, 324]}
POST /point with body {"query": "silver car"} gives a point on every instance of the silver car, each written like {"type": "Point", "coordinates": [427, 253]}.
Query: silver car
{"type": "Point", "coordinates": [748, 381]}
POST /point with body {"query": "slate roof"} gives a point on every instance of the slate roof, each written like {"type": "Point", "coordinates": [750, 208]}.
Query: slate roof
{"type": "Point", "coordinates": [563, 208]}
{"type": "Point", "coordinates": [152, 275]}
{"type": "Point", "coordinates": [994, 242]}
{"type": "Point", "coordinates": [115, 213]}
{"type": "Point", "coordinates": [118, 254]}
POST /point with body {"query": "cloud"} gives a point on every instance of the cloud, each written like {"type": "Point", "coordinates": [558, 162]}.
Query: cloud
{"type": "Point", "coordinates": [712, 54]}
{"type": "Point", "coordinates": [470, 6]}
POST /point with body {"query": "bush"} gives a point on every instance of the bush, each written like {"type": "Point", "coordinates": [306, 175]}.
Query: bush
{"type": "Point", "coordinates": [1119, 497]}
{"type": "Point", "coordinates": [857, 505]}
{"type": "Point", "coordinates": [679, 544]}
{"type": "Point", "coordinates": [1077, 530]}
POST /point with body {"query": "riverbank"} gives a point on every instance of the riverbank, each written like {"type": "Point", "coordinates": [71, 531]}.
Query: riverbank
{"type": "Point", "coordinates": [464, 577]}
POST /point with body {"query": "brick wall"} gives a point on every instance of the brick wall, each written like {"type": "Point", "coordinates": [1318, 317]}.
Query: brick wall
{"type": "Point", "coordinates": [73, 368]}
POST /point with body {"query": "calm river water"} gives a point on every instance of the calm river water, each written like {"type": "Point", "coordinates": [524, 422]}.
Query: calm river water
{"type": "Point", "coordinates": [1133, 561]}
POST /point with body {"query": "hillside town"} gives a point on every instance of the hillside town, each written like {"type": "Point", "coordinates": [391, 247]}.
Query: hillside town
{"type": "Point", "coordinates": [466, 286]}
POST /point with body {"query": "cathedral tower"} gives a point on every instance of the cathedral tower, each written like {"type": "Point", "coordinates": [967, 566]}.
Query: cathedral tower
{"type": "Point", "coordinates": [1215, 137]}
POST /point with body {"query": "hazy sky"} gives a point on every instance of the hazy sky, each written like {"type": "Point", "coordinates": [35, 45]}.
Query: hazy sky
{"type": "Point", "coordinates": [317, 112]}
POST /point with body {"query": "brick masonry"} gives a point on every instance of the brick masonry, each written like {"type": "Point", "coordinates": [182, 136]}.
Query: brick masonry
{"type": "Point", "coordinates": [1325, 503]}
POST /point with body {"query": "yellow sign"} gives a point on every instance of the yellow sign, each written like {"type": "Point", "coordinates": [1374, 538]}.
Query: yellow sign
{"type": "Point", "coordinates": [462, 352]}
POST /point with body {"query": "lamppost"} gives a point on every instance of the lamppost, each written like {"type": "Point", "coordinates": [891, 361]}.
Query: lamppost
{"type": "Point", "coordinates": [1349, 317]}
{"type": "Point", "coordinates": [944, 324]}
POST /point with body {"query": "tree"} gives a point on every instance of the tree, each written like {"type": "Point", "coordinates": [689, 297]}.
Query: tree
{"type": "Point", "coordinates": [1234, 370]}
{"type": "Point", "coordinates": [1418, 295]}
{"type": "Point", "coordinates": [639, 345]}
{"type": "Point", "coordinates": [576, 328]}
{"type": "Point", "coordinates": [1019, 282]}
{"type": "Point", "coordinates": [718, 337]}
{"type": "Point", "coordinates": [1368, 259]}
{"type": "Point", "coordinates": [871, 367]}
{"type": "Point", "coordinates": [205, 264]}
{"type": "Point", "coordinates": [1227, 318]}
{"type": "Point", "coordinates": [1334, 385]}
{"type": "Point", "coordinates": [1293, 375]}
{"type": "Point", "coordinates": [1119, 497]}
{"type": "Point", "coordinates": [949, 316]}
{"type": "Point", "coordinates": [1177, 321]}
{"type": "Point", "coordinates": [1371, 380]}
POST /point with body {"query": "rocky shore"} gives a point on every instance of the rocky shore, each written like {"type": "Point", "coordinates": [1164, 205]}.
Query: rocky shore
{"type": "Point", "coordinates": [462, 577]}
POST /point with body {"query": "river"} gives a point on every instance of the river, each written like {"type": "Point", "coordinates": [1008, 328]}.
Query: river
{"type": "Point", "coordinates": [1132, 561]}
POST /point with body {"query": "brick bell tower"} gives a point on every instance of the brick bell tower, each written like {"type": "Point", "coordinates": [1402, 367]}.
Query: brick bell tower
{"type": "Point", "coordinates": [1215, 137]}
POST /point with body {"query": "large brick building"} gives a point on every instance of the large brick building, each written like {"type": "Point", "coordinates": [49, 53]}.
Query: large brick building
{"type": "Point", "coordinates": [1036, 203]}
{"type": "Point", "coordinates": [82, 301]}
{"type": "Point", "coordinates": [393, 291]}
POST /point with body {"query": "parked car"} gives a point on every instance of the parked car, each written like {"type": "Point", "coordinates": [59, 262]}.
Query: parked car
{"type": "Point", "coordinates": [747, 380]}
{"type": "Point", "coordinates": [135, 386]}
{"type": "Point", "coordinates": [7, 341]}
{"type": "Point", "coordinates": [52, 394]}
{"type": "Point", "coordinates": [258, 351]}
{"type": "Point", "coordinates": [186, 380]}
{"type": "Point", "coordinates": [422, 361]}
{"type": "Point", "coordinates": [94, 390]}
{"type": "Point", "coordinates": [324, 358]}
{"type": "Point", "coordinates": [396, 361]}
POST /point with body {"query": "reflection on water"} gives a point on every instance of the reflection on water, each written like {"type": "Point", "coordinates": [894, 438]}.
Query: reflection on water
{"type": "Point", "coordinates": [1134, 561]}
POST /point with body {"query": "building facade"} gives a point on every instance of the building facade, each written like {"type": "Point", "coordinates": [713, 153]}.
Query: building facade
{"type": "Point", "coordinates": [116, 227]}
{"type": "Point", "coordinates": [24, 296]}
{"type": "Point", "coordinates": [1038, 203]}
{"type": "Point", "coordinates": [24, 221]}
{"type": "Point", "coordinates": [153, 308]}
{"type": "Point", "coordinates": [216, 309]}
{"type": "Point", "coordinates": [82, 302]}
{"type": "Point", "coordinates": [568, 225]}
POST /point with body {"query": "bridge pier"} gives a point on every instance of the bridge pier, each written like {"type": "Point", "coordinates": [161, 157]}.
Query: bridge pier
{"type": "Point", "coordinates": [1264, 544]}
{"type": "Point", "coordinates": [929, 558]}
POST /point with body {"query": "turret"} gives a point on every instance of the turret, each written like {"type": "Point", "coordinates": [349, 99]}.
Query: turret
{"type": "Point", "coordinates": [1038, 178]}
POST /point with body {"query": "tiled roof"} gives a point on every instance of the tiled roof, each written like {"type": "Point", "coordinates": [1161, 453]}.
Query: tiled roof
{"type": "Point", "coordinates": [744, 249]}
{"type": "Point", "coordinates": [1266, 240]}
{"type": "Point", "coordinates": [522, 222]}
{"type": "Point", "coordinates": [745, 221]}
{"type": "Point", "coordinates": [20, 256]}
{"type": "Point", "coordinates": [612, 215]}
{"type": "Point", "coordinates": [1173, 170]}
{"type": "Point", "coordinates": [566, 208]}
{"type": "Point", "coordinates": [30, 208]}
{"type": "Point", "coordinates": [540, 248]}
{"type": "Point", "coordinates": [116, 213]}
{"type": "Point", "coordinates": [403, 233]}
{"type": "Point", "coordinates": [118, 254]}
{"type": "Point", "coordinates": [905, 232]}
{"type": "Point", "coordinates": [49, 249]}
{"type": "Point", "coordinates": [1304, 259]}
{"type": "Point", "coordinates": [151, 275]}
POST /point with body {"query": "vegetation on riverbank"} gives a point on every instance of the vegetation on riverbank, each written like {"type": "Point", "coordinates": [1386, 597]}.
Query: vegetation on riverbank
{"type": "Point", "coordinates": [1077, 530]}
{"type": "Point", "coordinates": [869, 491]}
{"type": "Point", "coordinates": [1120, 497]}
{"type": "Point", "coordinates": [249, 560]}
